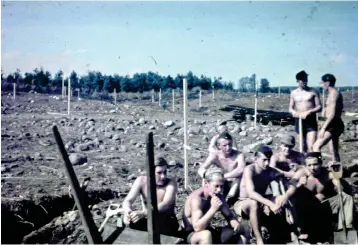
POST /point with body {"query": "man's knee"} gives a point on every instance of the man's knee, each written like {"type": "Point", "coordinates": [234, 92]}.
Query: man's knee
{"type": "Point", "coordinates": [203, 237]}
{"type": "Point", "coordinates": [254, 205]}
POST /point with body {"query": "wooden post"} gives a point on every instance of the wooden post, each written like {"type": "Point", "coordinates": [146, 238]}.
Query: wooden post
{"type": "Point", "coordinates": [300, 134]}
{"type": "Point", "coordinates": [352, 93]}
{"type": "Point", "coordinates": [69, 97]}
{"type": "Point", "coordinates": [279, 91]}
{"type": "Point", "coordinates": [213, 93]}
{"type": "Point", "coordinates": [160, 97]}
{"type": "Point", "coordinates": [115, 96]}
{"type": "Point", "coordinates": [152, 207]}
{"type": "Point", "coordinates": [256, 95]}
{"type": "Point", "coordinates": [185, 95]}
{"type": "Point", "coordinates": [14, 95]}
{"type": "Point", "coordinates": [173, 92]}
{"type": "Point", "coordinates": [89, 226]}
{"type": "Point", "coordinates": [63, 88]}
{"type": "Point", "coordinates": [152, 95]}
{"type": "Point", "coordinates": [78, 94]}
{"type": "Point", "coordinates": [200, 98]}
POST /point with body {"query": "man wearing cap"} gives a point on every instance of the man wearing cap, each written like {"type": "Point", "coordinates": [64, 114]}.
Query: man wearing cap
{"type": "Point", "coordinates": [314, 195]}
{"type": "Point", "coordinates": [222, 128]}
{"type": "Point", "coordinates": [231, 161]}
{"type": "Point", "coordinates": [287, 161]}
{"type": "Point", "coordinates": [166, 197]}
{"type": "Point", "coordinates": [255, 181]}
{"type": "Point", "coordinates": [333, 127]}
{"type": "Point", "coordinates": [304, 104]}
{"type": "Point", "coordinates": [200, 208]}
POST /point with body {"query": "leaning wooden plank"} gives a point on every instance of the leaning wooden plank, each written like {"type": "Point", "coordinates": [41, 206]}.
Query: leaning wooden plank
{"type": "Point", "coordinates": [131, 236]}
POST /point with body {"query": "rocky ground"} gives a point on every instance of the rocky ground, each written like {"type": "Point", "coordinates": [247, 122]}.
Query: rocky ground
{"type": "Point", "coordinates": [106, 142]}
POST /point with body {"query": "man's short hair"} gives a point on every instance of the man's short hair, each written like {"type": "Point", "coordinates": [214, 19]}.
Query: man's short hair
{"type": "Point", "coordinates": [317, 155]}
{"type": "Point", "coordinates": [160, 161]}
{"type": "Point", "coordinates": [225, 136]}
{"type": "Point", "coordinates": [329, 78]}
{"type": "Point", "coordinates": [211, 172]}
{"type": "Point", "coordinates": [265, 150]}
{"type": "Point", "coordinates": [302, 75]}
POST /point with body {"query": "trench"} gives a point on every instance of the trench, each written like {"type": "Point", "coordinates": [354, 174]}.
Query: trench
{"type": "Point", "coordinates": [20, 217]}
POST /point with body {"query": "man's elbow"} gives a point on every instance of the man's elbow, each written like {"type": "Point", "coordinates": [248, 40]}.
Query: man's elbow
{"type": "Point", "coordinates": [198, 227]}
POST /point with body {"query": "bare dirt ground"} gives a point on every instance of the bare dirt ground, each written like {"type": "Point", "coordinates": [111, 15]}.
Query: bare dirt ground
{"type": "Point", "coordinates": [109, 141]}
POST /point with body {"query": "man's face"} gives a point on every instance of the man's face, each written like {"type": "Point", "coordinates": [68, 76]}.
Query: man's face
{"type": "Point", "coordinates": [313, 165]}
{"type": "Point", "coordinates": [262, 161]}
{"type": "Point", "coordinates": [286, 149]}
{"type": "Point", "coordinates": [302, 83]}
{"type": "Point", "coordinates": [160, 175]}
{"type": "Point", "coordinates": [215, 185]}
{"type": "Point", "coordinates": [324, 85]}
{"type": "Point", "coordinates": [225, 146]}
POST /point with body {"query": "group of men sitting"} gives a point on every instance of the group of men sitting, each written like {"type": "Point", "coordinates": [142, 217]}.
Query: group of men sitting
{"type": "Point", "coordinates": [240, 191]}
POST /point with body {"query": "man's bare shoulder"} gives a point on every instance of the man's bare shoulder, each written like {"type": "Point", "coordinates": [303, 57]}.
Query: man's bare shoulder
{"type": "Point", "coordinates": [171, 182]}
{"type": "Point", "coordinates": [195, 196]}
{"type": "Point", "coordinates": [236, 153]}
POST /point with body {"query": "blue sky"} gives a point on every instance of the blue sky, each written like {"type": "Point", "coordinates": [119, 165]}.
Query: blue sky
{"type": "Point", "coordinates": [275, 40]}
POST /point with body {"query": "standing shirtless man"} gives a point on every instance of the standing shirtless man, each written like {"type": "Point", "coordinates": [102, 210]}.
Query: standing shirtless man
{"type": "Point", "coordinates": [304, 104]}
{"type": "Point", "coordinates": [231, 161]}
{"type": "Point", "coordinates": [333, 126]}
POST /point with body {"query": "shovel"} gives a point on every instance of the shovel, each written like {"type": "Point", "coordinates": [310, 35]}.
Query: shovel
{"type": "Point", "coordinates": [112, 210]}
{"type": "Point", "coordinates": [350, 235]}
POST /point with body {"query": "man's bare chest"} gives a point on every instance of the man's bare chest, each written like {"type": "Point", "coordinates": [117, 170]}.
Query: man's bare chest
{"type": "Point", "coordinates": [227, 164]}
{"type": "Point", "coordinates": [303, 96]}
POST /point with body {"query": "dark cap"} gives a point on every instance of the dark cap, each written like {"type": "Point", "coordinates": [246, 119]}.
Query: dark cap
{"type": "Point", "coordinates": [225, 135]}
{"type": "Point", "coordinates": [264, 149]}
{"type": "Point", "coordinates": [328, 78]}
{"type": "Point", "coordinates": [302, 75]}
{"type": "Point", "coordinates": [317, 155]}
{"type": "Point", "coordinates": [288, 140]}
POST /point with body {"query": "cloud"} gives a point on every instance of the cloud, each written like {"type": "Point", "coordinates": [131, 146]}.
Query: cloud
{"type": "Point", "coordinates": [338, 58]}
{"type": "Point", "coordinates": [11, 55]}
{"type": "Point", "coordinates": [70, 52]}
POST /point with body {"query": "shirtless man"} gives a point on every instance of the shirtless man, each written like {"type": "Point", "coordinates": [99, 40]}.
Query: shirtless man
{"type": "Point", "coordinates": [166, 197]}
{"type": "Point", "coordinates": [252, 202]}
{"type": "Point", "coordinates": [231, 161]}
{"type": "Point", "coordinates": [304, 104]}
{"type": "Point", "coordinates": [222, 128]}
{"type": "Point", "coordinates": [333, 126]}
{"type": "Point", "coordinates": [315, 199]}
{"type": "Point", "coordinates": [287, 161]}
{"type": "Point", "coordinates": [201, 207]}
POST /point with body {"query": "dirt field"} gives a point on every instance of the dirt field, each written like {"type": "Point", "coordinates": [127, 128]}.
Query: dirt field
{"type": "Point", "coordinates": [35, 202]}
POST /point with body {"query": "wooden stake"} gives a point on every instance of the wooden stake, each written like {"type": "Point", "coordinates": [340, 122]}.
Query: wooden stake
{"type": "Point", "coordinates": [152, 207]}
{"type": "Point", "coordinates": [185, 97]}
{"type": "Point", "coordinates": [152, 95]}
{"type": "Point", "coordinates": [160, 97]}
{"type": "Point", "coordinates": [69, 96]}
{"type": "Point", "coordinates": [14, 96]}
{"type": "Point", "coordinates": [200, 98]}
{"type": "Point", "coordinates": [256, 95]}
{"type": "Point", "coordinates": [78, 94]}
{"type": "Point", "coordinates": [115, 96]}
{"type": "Point", "coordinates": [352, 93]}
{"type": "Point", "coordinates": [213, 93]}
{"type": "Point", "coordinates": [89, 226]}
{"type": "Point", "coordinates": [63, 88]}
{"type": "Point", "coordinates": [173, 100]}
{"type": "Point", "coordinates": [279, 91]}
{"type": "Point", "coordinates": [300, 134]}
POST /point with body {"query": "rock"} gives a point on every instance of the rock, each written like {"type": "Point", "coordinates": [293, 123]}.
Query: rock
{"type": "Point", "coordinates": [108, 135]}
{"type": "Point", "coordinates": [58, 222]}
{"type": "Point", "coordinates": [180, 132]}
{"type": "Point", "coordinates": [251, 128]}
{"type": "Point", "coordinates": [116, 137]}
{"type": "Point", "coordinates": [131, 177]}
{"type": "Point", "coordinates": [72, 215]}
{"type": "Point", "coordinates": [205, 138]}
{"type": "Point", "coordinates": [174, 139]}
{"type": "Point", "coordinates": [169, 124]}
{"type": "Point", "coordinates": [267, 141]}
{"type": "Point", "coordinates": [4, 169]}
{"type": "Point", "coordinates": [77, 159]}
{"type": "Point", "coordinates": [122, 148]}
{"type": "Point", "coordinates": [243, 133]}
{"type": "Point", "coordinates": [172, 163]}
{"type": "Point", "coordinates": [112, 111]}
{"type": "Point", "coordinates": [83, 147]}
{"type": "Point", "coordinates": [113, 148]}
{"type": "Point", "coordinates": [194, 130]}
{"type": "Point", "coordinates": [266, 130]}
{"type": "Point", "coordinates": [38, 156]}
{"type": "Point", "coordinates": [243, 127]}
{"type": "Point", "coordinates": [141, 120]}
{"type": "Point", "coordinates": [251, 147]}
{"type": "Point", "coordinates": [151, 127]}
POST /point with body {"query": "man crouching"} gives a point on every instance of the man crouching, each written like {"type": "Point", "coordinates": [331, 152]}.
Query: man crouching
{"type": "Point", "coordinates": [166, 197]}
{"type": "Point", "coordinates": [200, 208]}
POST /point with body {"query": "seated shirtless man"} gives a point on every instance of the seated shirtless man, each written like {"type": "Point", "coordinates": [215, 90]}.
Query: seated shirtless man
{"type": "Point", "coordinates": [201, 207]}
{"type": "Point", "coordinates": [255, 181]}
{"type": "Point", "coordinates": [166, 197]}
{"type": "Point", "coordinates": [231, 161]}
{"type": "Point", "coordinates": [304, 104]}
{"type": "Point", "coordinates": [222, 128]}
{"type": "Point", "coordinates": [315, 200]}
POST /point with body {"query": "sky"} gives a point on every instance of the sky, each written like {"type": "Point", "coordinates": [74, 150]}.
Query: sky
{"type": "Point", "coordinates": [274, 40]}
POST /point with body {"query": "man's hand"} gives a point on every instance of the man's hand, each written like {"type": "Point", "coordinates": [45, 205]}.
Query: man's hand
{"type": "Point", "coordinates": [303, 115]}
{"type": "Point", "coordinates": [276, 209]}
{"type": "Point", "coordinates": [281, 200]}
{"type": "Point", "coordinates": [321, 133]}
{"type": "Point", "coordinates": [127, 218]}
{"type": "Point", "coordinates": [302, 181]}
{"type": "Point", "coordinates": [135, 216]}
{"type": "Point", "coordinates": [235, 225]}
{"type": "Point", "coordinates": [215, 202]}
{"type": "Point", "coordinates": [295, 114]}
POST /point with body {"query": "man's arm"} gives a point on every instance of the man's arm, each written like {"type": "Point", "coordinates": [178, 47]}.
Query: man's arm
{"type": "Point", "coordinates": [331, 110]}
{"type": "Point", "coordinates": [292, 106]}
{"type": "Point", "coordinates": [250, 188]}
{"type": "Point", "coordinates": [212, 146]}
{"type": "Point", "coordinates": [199, 221]}
{"type": "Point", "coordinates": [206, 165]}
{"type": "Point", "coordinates": [238, 171]}
{"type": "Point", "coordinates": [273, 162]}
{"type": "Point", "coordinates": [169, 197]}
{"type": "Point", "coordinates": [294, 184]}
{"type": "Point", "coordinates": [132, 195]}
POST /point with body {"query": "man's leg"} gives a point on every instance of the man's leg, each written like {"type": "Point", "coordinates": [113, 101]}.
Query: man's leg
{"type": "Point", "coordinates": [333, 148]}
{"type": "Point", "coordinates": [322, 141]}
{"type": "Point", "coordinates": [200, 237]}
{"type": "Point", "coordinates": [310, 139]}
{"type": "Point", "coordinates": [252, 209]}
